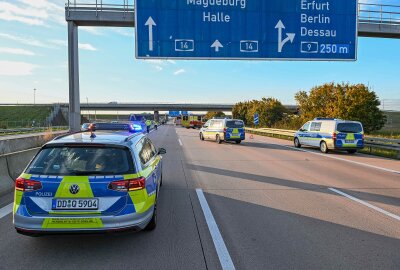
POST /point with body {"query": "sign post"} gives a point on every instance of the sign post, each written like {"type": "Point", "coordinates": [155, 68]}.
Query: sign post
{"type": "Point", "coordinates": [247, 29]}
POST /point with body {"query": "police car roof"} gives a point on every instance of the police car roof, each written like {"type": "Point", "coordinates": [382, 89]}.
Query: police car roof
{"type": "Point", "coordinates": [100, 137]}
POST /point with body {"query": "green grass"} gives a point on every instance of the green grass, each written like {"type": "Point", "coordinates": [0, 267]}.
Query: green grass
{"type": "Point", "coordinates": [22, 116]}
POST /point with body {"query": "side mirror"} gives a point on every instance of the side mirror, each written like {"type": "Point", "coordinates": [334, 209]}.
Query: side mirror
{"type": "Point", "coordinates": [162, 151]}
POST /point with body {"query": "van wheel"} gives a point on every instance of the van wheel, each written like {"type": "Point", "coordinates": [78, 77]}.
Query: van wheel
{"type": "Point", "coordinates": [218, 139]}
{"type": "Point", "coordinates": [352, 151]}
{"type": "Point", "coordinates": [323, 147]}
{"type": "Point", "coordinates": [297, 143]}
{"type": "Point", "coordinates": [201, 137]}
{"type": "Point", "coordinates": [238, 142]}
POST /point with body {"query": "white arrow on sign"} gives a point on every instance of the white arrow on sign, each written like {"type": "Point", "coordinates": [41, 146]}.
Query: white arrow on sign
{"type": "Point", "coordinates": [217, 45]}
{"type": "Point", "coordinates": [290, 36]}
{"type": "Point", "coordinates": [150, 23]}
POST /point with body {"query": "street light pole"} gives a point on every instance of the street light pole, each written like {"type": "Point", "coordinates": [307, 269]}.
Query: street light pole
{"type": "Point", "coordinates": [34, 96]}
{"type": "Point", "coordinates": [87, 102]}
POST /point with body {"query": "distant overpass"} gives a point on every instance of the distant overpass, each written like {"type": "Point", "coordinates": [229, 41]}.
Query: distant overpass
{"type": "Point", "coordinates": [156, 107]}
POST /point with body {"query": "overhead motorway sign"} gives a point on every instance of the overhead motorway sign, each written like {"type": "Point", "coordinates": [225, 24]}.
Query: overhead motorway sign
{"type": "Point", "coordinates": [174, 113]}
{"type": "Point", "coordinates": [247, 29]}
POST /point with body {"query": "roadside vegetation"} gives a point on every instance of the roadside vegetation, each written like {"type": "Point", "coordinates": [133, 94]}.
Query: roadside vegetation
{"type": "Point", "coordinates": [22, 116]}
{"type": "Point", "coordinates": [345, 101]}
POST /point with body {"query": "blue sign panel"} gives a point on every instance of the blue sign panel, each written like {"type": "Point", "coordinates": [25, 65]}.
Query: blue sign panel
{"type": "Point", "coordinates": [256, 119]}
{"type": "Point", "coordinates": [184, 112]}
{"type": "Point", "coordinates": [247, 29]}
{"type": "Point", "coordinates": [174, 113]}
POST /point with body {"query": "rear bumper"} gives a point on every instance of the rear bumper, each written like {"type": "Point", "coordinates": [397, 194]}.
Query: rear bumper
{"type": "Point", "coordinates": [81, 224]}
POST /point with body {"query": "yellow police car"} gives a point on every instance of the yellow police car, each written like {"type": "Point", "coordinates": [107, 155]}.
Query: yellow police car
{"type": "Point", "coordinates": [95, 181]}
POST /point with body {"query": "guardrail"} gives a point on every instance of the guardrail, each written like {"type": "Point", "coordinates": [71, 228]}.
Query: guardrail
{"type": "Point", "coordinates": [13, 131]}
{"type": "Point", "coordinates": [369, 142]}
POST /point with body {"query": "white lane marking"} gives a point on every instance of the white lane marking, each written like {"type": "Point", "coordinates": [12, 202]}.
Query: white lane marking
{"type": "Point", "coordinates": [337, 158]}
{"type": "Point", "coordinates": [222, 251]}
{"type": "Point", "coordinates": [366, 204]}
{"type": "Point", "coordinates": [180, 142]}
{"type": "Point", "coordinates": [6, 210]}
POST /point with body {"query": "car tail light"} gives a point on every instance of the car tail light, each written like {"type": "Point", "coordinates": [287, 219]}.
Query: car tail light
{"type": "Point", "coordinates": [362, 136]}
{"type": "Point", "coordinates": [27, 185]}
{"type": "Point", "coordinates": [224, 130]}
{"type": "Point", "coordinates": [334, 136]}
{"type": "Point", "coordinates": [128, 185]}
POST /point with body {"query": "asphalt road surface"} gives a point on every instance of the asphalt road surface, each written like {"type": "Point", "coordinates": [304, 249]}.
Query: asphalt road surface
{"type": "Point", "coordinates": [258, 205]}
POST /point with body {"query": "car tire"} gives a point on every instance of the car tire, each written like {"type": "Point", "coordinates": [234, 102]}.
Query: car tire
{"type": "Point", "coordinates": [218, 139]}
{"type": "Point", "coordinates": [352, 151]}
{"type": "Point", "coordinates": [323, 147]}
{"type": "Point", "coordinates": [238, 142]}
{"type": "Point", "coordinates": [201, 136]}
{"type": "Point", "coordinates": [297, 143]}
{"type": "Point", "coordinates": [161, 181]}
{"type": "Point", "coordinates": [153, 222]}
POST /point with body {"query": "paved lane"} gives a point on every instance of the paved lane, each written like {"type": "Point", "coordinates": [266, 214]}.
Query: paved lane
{"type": "Point", "coordinates": [272, 207]}
{"type": "Point", "coordinates": [275, 210]}
{"type": "Point", "coordinates": [175, 244]}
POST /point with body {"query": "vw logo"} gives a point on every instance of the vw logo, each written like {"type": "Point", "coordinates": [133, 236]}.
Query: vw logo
{"type": "Point", "coordinates": [74, 189]}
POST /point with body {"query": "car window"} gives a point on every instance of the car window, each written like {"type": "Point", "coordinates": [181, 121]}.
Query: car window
{"type": "Point", "coordinates": [315, 126]}
{"type": "Point", "coordinates": [306, 126]}
{"type": "Point", "coordinates": [349, 127]}
{"type": "Point", "coordinates": [82, 160]}
{"type": "Point", "coordinates": [234, 124]}
{"type": "Point", "coordinates": [146, 150]}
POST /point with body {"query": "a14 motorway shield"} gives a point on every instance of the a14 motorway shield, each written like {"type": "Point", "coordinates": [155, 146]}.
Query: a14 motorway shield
{"type": "Point", "coordinates": [247, 29]}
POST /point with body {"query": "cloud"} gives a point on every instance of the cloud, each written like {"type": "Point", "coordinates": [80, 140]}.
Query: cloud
{"type": "Point", "coordinates": [11, 68]}
{"type": "Point", "coordinates": [124, 31]}
{"type": "Point", "coordinates": [179, 71]}
{"type": "Point", "coordinates": [16, 51]}
{"type": "Point", "coordinates": [58, 42]}
{"type": "Point", "coordinates": [159, 68]}
{"type": "Point", "coordinates": [32, 12]}
{"type": "Point", "coordinates": [86, 46]}
{"type": "Point", "coordinates": [92, 30]}
{"type": "Point", "coordinates": [171, 62]}
{"type": "Point", "coordinates": [24, 40]}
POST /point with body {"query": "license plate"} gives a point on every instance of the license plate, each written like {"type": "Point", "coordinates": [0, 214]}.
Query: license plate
{"type": "Point", "coordinates": [235, 134]}
{"type": "Point", "coordinates": [75, 204]}
{"type": "Point", "coordinates": [348, 141]}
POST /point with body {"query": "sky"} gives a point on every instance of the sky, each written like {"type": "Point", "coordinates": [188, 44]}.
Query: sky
{"type": "Point", "coordinates": [33, 55]}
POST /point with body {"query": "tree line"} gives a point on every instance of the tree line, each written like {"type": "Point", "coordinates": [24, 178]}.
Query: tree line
{"type": "Point", "coordinates": [345, 101]}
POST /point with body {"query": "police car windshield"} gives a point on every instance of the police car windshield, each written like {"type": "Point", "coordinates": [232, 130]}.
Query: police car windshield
{"type": "Point", "coordinates": [349, 127]}
{"type": "Point", "coordinates": [234, 124]}
{"type": "Point", "coordinates": [69, 161]}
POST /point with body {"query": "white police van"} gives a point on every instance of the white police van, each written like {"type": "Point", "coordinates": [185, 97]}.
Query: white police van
{"type": "Point", "coordinates": [331, 134]}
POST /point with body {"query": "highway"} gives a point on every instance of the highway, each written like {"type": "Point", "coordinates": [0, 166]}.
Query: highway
{"type": "Point", "coordinates": [274, 207]}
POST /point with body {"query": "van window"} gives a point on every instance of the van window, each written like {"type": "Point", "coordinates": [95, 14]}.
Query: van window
{"type": "Point", "coordinates": [234, 124]}
{"type": "Point", "coordinates": [306, 126]}
{"type": "Point", "coordinates": [349, 127]}
{"type": "Point", "coordinates": [315, 126]}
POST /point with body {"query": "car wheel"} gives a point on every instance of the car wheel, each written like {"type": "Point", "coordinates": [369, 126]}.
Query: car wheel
{"type": "Point", "coordinates": [323, 147]}
{"type": "Point", "coordinates": [161, 181]}
{"type": "Point", "coordinates": [297, 143]}
{"type": "Point", "coordinates": [352, 151]}
{"type": "Point", "coordinates": [238, 142]}
{"type": "Point", "coordinates": [201, 136]}
{"type": "Point", "coordinates": [218, 139]}
{"type": "Point", "coordinates": [153, 222]}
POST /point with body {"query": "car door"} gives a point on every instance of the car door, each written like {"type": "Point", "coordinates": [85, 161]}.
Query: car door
{"type": "Point", "coordinates": [315, 136]}
{"type": "Point", "coordinates": [150, 163]}
{"type": "Point", "coordinates": [209, 130]}
{"type": "Point", "coordinates": [304, 134]}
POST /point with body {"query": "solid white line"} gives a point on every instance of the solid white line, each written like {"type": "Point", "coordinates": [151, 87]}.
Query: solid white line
{"type": "Point", "coordinates": [337, 158]}
{"type": "Point", "coordinates": [222, 251]}
{"type": "Point", "coordinates": [180, 142]}
{"type": "Point", "coordinates": [6, 210]}
{"type": "Point", "coordinates": [366, 204]}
